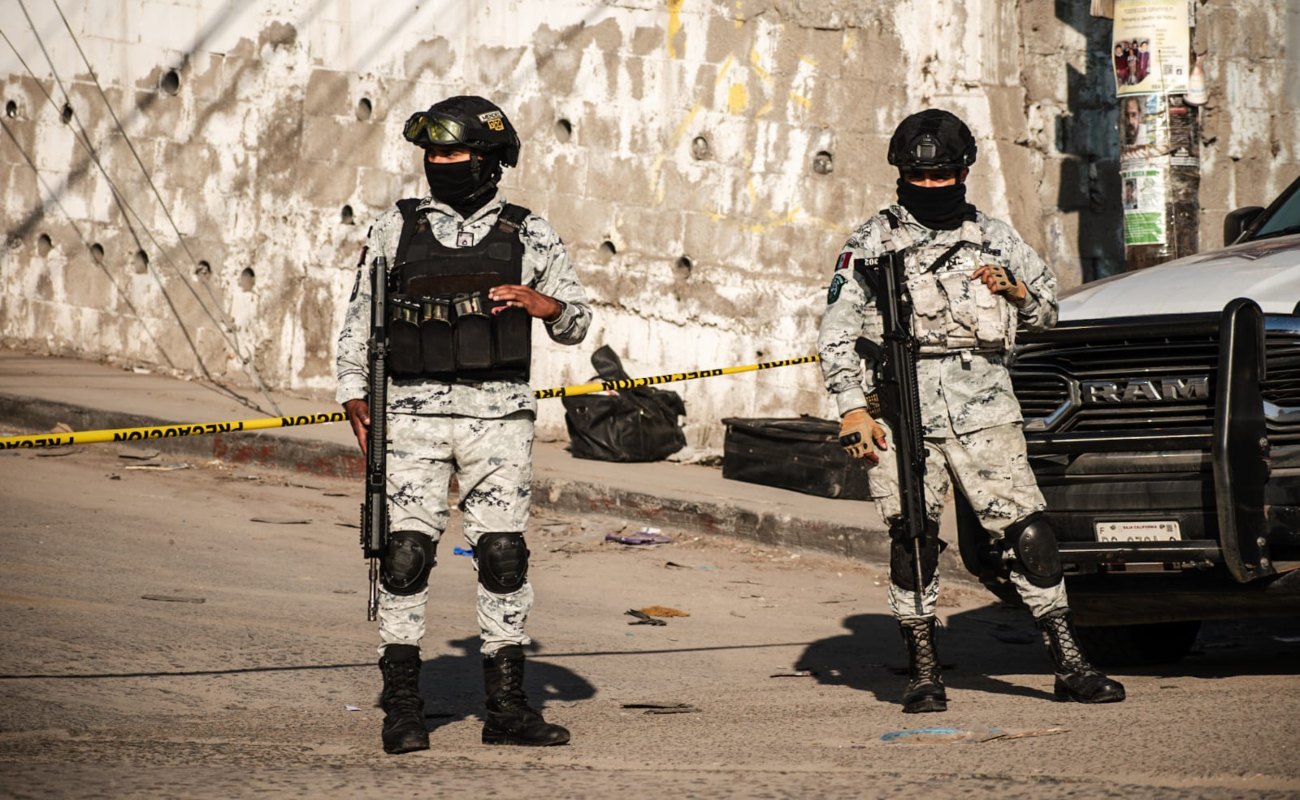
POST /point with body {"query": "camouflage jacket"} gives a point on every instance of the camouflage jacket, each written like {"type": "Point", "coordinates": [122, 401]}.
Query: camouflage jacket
{"type": "Point", "coordinates": [547, 269]}
{"type": "Point", "coordinates": [968, 390]}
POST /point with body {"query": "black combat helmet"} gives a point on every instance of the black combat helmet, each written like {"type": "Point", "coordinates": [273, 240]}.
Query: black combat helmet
{"type": "Point", "coordinates": [472, 122]}
{"type": "Point", "coordinates": [931, 141]}
{"type": "Point", "coordinates": [468, 121]}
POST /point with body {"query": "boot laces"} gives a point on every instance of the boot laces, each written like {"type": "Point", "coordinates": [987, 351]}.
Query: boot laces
{"type": "Point", "coordinates": [924, 660]}
{"type": "Point", "coordinates": [1069, 656]}
{"type": "Point", "coordinates": [401, 688]}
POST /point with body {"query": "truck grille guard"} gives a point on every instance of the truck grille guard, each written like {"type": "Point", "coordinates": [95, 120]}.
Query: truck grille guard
{"type": "Point", "coordinates": [1143, 385]}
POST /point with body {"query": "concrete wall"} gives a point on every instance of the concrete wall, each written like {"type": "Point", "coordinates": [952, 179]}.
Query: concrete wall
{"type": "Point", "coordinates": [679, 146]}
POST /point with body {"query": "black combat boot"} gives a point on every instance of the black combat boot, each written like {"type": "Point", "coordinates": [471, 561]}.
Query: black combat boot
{"type": "Point", "coordinates": [509, 719]}
{"type": "Point", "coordinates": [925, 690]}
{"type": "Point", "coordinates": [403, 707]}
{"type": "Point", "coordinates": [1076, 679]}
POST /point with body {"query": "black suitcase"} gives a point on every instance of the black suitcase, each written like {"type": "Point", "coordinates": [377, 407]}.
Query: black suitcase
{"type": "Point", "coordinates": [802, 454]}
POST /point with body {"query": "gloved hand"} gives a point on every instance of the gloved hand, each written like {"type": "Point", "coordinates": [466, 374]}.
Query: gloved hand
{"type": "Point", "coordinates": [1001, 279]}
{"type": "Point", "coordinates": [857, 432]}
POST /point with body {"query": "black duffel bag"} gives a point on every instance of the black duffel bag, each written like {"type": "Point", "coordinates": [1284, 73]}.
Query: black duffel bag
{"type": "Point", "coordinates": [638, 424]}
{"type": "Point", "coordinates": [802, 454]}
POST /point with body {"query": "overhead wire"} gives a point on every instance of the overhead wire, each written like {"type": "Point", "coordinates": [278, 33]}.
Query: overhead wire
{"type": "Point", "coordinates": [82, 138]}
{"type": "Point", "coordinates": [225, 329]}
{"type": "Point", "coordinates": [180, 238]}
{"type": "Point", "coordinates": [225, 325]}
{"type": "Point", "coordinates": [85, 241]}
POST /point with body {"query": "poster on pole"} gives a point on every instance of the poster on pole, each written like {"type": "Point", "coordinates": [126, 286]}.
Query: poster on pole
{"type": "Point", "coordinates": [1142, 127]}
{"type": "Point", "coordinates": [1144, 201]}
{"type": "Point", "coordinates": [1151, 45]}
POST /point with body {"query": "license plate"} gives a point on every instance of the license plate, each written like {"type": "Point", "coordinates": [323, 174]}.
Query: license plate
{"type": "Point", "coordinates": [1160, 531]}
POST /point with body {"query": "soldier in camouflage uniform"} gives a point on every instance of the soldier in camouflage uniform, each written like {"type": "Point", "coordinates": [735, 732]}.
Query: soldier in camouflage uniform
{"type": "Point", "coordinates": [971, 282]}
{"type": "Point", "coordinates": [456, 406]}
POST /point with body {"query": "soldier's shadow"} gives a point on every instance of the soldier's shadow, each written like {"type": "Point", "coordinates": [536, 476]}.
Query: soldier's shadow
{"type": "Point", "coordinates": [452, 683]}
{"type": "Point", "coordinates": [974, 647]}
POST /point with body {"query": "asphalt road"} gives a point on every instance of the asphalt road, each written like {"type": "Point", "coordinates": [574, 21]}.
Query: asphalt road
{"type": "Point", "coordinates": [159, 641]}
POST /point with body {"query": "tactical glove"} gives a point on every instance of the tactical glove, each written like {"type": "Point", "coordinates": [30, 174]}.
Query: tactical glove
{"type": "Point", "coordinates": [1001, 279]}
{"type": "Point", "coordinates": [860, 435]}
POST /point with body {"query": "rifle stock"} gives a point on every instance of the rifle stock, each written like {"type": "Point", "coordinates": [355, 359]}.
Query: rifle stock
{"type": "Point", "coordinates": [374, 511]}
{"type": "Point", "coordinates": [900, 396]}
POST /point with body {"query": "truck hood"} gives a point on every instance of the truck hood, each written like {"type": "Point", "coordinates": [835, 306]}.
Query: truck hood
{"type": "Point", "coordinates": [1266, 271]}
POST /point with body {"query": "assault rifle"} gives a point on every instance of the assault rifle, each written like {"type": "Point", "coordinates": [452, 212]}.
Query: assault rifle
{"type": "Point", "coordinates": [900, 396]}
{"type": "Point", "coordinates": [374, 511]}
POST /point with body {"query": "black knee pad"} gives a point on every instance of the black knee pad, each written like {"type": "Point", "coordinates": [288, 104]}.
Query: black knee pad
{"type": "Point", "coordinates": [405, 564]}
{"type": "Point", "coordinates": [900, 555]}
{"type": "Point", "coordinates": [502, 562]}
{"type": "Point", "coordinates": [1037, 555]}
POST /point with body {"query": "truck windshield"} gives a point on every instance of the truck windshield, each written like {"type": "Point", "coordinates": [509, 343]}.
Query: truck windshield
{"type": "Point", "coordinates": [1284, 220]}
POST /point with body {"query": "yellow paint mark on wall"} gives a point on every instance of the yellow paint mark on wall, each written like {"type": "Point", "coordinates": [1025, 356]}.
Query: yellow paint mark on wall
{"type": "Point", "coordinates": [740, 17]}
{"type": "Point", "coordinates": [808, 60]}
{"type": "Point", "coordinates": [766, 108]}
{"type": "Point", "coordinates": [849, 38]}
{"type": "Point", "coordinates": [726, 67]}
{"type": "Point", "coordinates": [681, 129]}
{"type": "Point", "coordinates": [801, 100]}
{"type": "Point", "coordinates": [752, 227]}
{"type": "Point", "coordinates": [737, 98]}
{"type": "Point", "coordinates": [674, 24]}
{"type": "Point", "coordinates": [656, 168]}
{"type": "Point", "coordinates": [754, 58]}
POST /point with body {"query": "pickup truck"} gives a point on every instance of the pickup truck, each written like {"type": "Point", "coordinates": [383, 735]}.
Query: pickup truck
{"type": "Point", "coordinates": [1162, 415]}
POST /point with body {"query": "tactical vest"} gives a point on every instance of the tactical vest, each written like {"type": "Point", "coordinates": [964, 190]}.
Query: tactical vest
{"type": "Point", "coordinates": [950, 312]}
{"type": "Point", "coordinates": [441, 324]}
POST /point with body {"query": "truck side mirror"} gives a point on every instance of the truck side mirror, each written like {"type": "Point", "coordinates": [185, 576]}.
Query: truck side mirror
{"type": "Point", "coordinates": [1238, 221]}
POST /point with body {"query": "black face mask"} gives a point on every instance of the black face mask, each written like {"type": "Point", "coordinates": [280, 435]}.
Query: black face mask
{"type": "Point", "coordinates": [941, 208]}
{"type": "Point", "coordinates": [450, 183]}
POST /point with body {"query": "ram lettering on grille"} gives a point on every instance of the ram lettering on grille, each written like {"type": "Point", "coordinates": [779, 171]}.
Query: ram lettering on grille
{"type": "Point", "coordinates": [1164, 390]}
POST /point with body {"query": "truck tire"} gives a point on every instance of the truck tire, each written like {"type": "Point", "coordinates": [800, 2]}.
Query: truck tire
{"type": "Point", "coordinates": [1138, 645]}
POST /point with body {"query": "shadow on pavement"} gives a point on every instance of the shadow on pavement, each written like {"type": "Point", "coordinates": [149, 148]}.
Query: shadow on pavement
{"type": "Point", "coordinates": [452, 683]}
{"type": "Point", "coordinates": [872, 658]}
{"type": "Point", "coordinates": [978, 645]}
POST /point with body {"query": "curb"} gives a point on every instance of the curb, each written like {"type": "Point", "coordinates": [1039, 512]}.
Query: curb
{"type": "Point", "coordinates": [247, 447]}
{"type": "Point", "coordinates": [560, 494]}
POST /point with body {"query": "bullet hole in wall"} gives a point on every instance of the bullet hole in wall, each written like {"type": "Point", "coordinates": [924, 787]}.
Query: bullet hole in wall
{"type": "Point", "coordinates": [203, 269]}
{"type": "Point", "coordinates": [563, 130]}
{"type": "Point", "coordinates": [141, 262]}
{"type": "Point", "coordinates": [247, 278]}
{"type": "Point", "coordinates": [170, 83]}
{"type": "Point", "coordinates": [66, 114]}
{"type": "Point", "coordinates": [823, 164]}
{"type": "Point", "coordinates": [684, 267]}
{"type": "Point", "coordinates": [11, 110]}
{"type": "Point", "coordinates": [44, 245]}
{"type": "Point", "coordinates": [97, 252]}
{"type": "Point", "coordinates": [700, 148]}
{"type": "Point", "coordinates": [364, 109]}
{"type": "Point", "coordinates": [605, 252]}
{"type": "Point", "coordinates": [346, 216]}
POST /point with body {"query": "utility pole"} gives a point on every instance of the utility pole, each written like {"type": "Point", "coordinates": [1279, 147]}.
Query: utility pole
{"type": "Point", "coordinates": [1160, 89]}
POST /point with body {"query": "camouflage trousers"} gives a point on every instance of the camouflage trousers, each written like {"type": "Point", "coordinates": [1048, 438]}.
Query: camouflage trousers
{"type": "Point", "coordinates": [992, 469]}
{"type": "Point", "coordinates": [492, 460]}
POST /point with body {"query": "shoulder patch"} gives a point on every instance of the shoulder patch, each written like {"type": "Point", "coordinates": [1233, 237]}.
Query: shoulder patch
{"type": "Point", "coordinates": [837, 283]}
{"type": "Point", "coordinates": [844, 261]}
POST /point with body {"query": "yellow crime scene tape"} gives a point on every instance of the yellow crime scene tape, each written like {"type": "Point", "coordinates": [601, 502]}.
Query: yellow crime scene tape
{"type": "Point", "coordinates": [201, 428]}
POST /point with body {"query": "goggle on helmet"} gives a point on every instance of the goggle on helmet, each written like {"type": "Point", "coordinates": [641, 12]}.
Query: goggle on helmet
{"type": "Point", "coordinates": [485, 131]}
